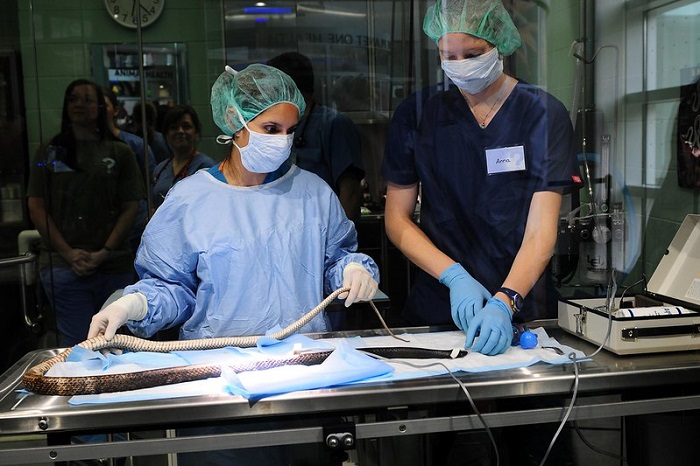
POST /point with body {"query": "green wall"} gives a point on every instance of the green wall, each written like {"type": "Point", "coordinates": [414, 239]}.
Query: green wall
{"type": "Point", "coordinates": [56, 40]}
{"type": "Point", "coordinates": [547, 30]}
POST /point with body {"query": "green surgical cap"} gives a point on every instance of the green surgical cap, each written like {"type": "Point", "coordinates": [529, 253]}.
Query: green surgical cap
{"type": "Point", "coordinates": [248, 93]}
{"type": "Point", "coordinates": [486, 19]}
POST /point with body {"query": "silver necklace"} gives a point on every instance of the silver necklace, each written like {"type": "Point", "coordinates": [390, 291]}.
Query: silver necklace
{"type": "Point", "coordinates": [482, 125]}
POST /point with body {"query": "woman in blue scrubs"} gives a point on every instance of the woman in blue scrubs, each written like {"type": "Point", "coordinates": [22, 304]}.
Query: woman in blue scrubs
{"type": "Point", "coordinates": [493, 156]}
{"type": "Point", "coordinates": [182, 131]}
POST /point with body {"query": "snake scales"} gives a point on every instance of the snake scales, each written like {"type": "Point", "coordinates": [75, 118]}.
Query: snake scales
{"type": "Point", "coordinates": [36, 381]}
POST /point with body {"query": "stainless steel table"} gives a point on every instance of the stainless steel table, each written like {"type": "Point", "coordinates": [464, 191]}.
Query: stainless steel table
{"type": "Point", "coordinates": [642, 384]}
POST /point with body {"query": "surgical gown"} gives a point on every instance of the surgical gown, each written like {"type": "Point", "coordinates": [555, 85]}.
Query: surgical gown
{"type": "Point", "coordinates": [225, 260]}
{"type": "Point", "coordinates": [476, 218]}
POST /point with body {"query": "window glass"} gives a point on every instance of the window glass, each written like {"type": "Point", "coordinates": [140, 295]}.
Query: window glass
{"type": "Point", "coordinates": [673, 47]}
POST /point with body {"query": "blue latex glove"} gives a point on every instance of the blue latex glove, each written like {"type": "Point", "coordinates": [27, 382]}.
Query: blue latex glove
{"type": "Point", "coordinates": [495, 329]}
{"type": "Point", "coordinates": [467, 295]}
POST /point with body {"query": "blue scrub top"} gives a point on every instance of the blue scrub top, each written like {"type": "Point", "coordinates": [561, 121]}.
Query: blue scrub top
{"type": "Point", "coordinates": [476, 218]}
{"type": "Point", "coordinates": [331, 145]}
{"type": "Point", "coordinates": [136, 144]}
{"type": "Point", "coordinates": [164, 178]}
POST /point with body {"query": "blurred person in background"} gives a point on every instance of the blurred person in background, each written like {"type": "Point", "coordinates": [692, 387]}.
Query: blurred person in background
{"type": "Point", "coordinates": [326, 142]}
{"type": "Point", "coordinates": [182, 131]}
{"type": "Point", "coordinates": [83, 194]}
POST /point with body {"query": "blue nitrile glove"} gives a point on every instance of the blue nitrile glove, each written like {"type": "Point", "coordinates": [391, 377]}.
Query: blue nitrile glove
{"type": "Point", "coordinates": [493, 323]}
{"type": "Point", "coordinates": [467, 295]}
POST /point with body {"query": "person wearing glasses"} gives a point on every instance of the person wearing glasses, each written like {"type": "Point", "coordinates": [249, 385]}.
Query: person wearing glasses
{"type": "Point", "coordinates": [83, 194]}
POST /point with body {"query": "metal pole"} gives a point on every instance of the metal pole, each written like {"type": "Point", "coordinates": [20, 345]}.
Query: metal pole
{"type": "Point", "coordinates": [144, 122]}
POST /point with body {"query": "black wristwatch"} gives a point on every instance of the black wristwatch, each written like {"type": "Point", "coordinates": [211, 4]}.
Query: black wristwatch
{"type": "Point", "coordinates": [516, 299]}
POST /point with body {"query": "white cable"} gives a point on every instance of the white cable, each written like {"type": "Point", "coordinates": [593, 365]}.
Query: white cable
{"type": "Point", "coordinates": [572, 356]}
{"type": "Point", "coordinates": [609, 304]}
{"type": "Point", "coordinates": [596, 449]}
{"type": "Point", "coordinates": [466, 392]}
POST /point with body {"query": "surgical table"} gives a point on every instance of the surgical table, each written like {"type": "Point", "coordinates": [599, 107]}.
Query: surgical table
{"type": "Point", "coordinates": [669, 382]}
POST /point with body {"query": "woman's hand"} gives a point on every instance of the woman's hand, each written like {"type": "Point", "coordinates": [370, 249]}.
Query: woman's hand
{"type": "Point", "coordinates": [106, 322]}
{"type": "Point", "coordinates": [467, 296]}
{"type": "Point", "coordinates": [494, 324]}
{"type": "Point", "coordinates": [362, 285]}
{"type": "Point", "coordinates": [80, 261]}
{"type": "Point", "coordinates": [87, 263]}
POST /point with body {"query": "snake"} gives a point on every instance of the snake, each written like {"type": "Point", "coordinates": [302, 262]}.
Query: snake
{"type": "Point", "coordinates": [36, 381]}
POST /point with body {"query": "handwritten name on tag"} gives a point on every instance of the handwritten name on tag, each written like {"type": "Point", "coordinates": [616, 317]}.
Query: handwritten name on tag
{"type": "Point", "coordinates": [505, 159]}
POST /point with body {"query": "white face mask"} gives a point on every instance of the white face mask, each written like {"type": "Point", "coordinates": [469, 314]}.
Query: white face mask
{"type": "Point", "coordinates": [473, 75]}
{"type": "Point", "coordinates": [264, 153]}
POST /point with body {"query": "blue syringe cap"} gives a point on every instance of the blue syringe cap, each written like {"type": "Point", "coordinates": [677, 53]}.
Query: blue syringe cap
{"type": "Point", "coordinates": [528, 340]}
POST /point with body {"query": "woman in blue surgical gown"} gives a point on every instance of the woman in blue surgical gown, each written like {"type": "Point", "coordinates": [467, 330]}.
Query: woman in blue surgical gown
{"type": "Point", "coordinates": [248, 245]}
{"type": "Point", "coordinates": [251, 243]}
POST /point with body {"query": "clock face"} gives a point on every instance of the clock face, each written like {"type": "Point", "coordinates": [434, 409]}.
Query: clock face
{"type": "Point", "coordinates": [127, 12]}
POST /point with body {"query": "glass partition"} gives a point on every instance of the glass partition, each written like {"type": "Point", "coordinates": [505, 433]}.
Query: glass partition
{"type": "Point", "coordinates": [12, 140]}
{"type": "Point", "coordinates": [620, 68]}
{"type": "Point", "coordinates": [659, 69]}
{"type": "Point", "coordinates": [165, 70]}
{"type": "Point", "coordinates": [627, 72]}
{"type": "Point", "coordinates": [367, 57]}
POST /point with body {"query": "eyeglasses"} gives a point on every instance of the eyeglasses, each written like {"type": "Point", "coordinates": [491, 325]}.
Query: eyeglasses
{"type": "Point", "coordinates": [87, 100]}
{"type": "Point", "coordinates": [184, 126]}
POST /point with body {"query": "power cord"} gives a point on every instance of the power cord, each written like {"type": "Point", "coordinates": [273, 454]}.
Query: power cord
{"type": "Point", "coordinates": [609, 306]}
{"type": "Point", "coordinates": [593, 447]}
{"type": "Point", "coordinates": [464, 389]}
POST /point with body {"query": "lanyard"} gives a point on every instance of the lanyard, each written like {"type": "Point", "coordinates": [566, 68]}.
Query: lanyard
{"type": "Point", "coordinates": [179, 175]}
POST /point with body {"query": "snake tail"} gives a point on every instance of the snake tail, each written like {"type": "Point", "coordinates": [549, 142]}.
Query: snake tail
{"type": "Point", "coordinates": [109, 383]}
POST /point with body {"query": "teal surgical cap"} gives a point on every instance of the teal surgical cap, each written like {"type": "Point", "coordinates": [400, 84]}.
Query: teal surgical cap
{"type": "Point", "coordinates": [247, 93]}
{"type": "Point", "coordinates": [486, 19]}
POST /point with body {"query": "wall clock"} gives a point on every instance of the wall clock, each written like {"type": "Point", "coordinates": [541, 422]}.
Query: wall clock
{"type": "Point", "coordinates": [126, 12]}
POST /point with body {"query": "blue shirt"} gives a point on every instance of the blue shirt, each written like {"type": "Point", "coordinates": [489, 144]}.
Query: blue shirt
{"type": "Point", "coordinates": [164, 178]}
{"type": "Point", "coordinates": [476, 218]}
{"type": "Point", "coordinates": [331, 145]}
{"type": "Point", "coordinates": [136, 144]}
{"type": "Point", "coordinates": [161, 149]}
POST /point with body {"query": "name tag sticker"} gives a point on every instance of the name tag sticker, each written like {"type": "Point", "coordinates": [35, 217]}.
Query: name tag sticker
{"type": "Point", "coordinates": [505, 159]}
